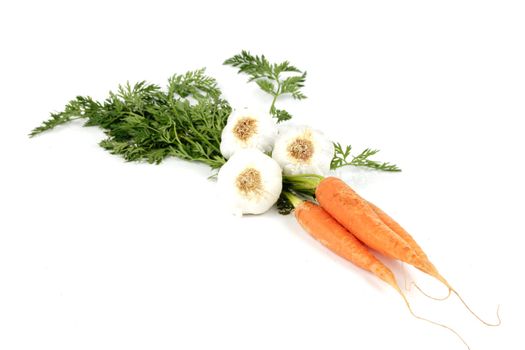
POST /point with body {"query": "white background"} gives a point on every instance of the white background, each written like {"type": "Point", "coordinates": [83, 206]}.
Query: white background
{"type": "Point", "coordinates": [96, 253]}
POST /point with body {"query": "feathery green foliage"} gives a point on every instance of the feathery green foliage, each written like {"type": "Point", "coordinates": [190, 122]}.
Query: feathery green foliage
{"type": "Point", "coordinates": [269, 78]}
{"type": "Point", "coordinates": [341, 159]}
{"type": "Point", "coordinates": [143, 122]}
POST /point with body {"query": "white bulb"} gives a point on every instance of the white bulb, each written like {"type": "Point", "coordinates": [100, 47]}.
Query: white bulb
{"type": "Point", "coordinates": [303, 150]}
{"type": "Point", "coordinates": [250, 182]}
{"type": "Point", "coordinates": [248, 129]}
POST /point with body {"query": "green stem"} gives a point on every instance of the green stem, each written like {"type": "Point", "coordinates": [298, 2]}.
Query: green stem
{"type": "Point", "coordinates": [304, 176]}
{"type": "Point", "coordinates": [303, 183]}
{"type": "Point", "coordinates": [296, 201]}
{"type": "Point", "coordinates": [205, 140]}
{"type": "Point", "coordinates": [277, 93]}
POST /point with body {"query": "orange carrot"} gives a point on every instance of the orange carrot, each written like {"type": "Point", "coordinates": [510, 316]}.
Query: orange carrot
{"type": "Point", "coordinates": [356, 215]}
{"type": "Point", "coordinates": [318, 223]}
{"type": "Point", "coordinates": [325, 229]}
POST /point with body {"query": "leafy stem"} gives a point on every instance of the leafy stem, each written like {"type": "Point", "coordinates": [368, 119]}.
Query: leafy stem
{"type": "Point", "coordinates": [342, 158]}
{"type": "Point", "coordinates": [272, 107]}
{"type": "Point", "coordinates": [269, 77]}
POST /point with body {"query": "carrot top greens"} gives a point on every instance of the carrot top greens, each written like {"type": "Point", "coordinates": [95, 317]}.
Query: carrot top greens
{"type": "Point", "coordinates": [269, 77]}
{"type": "Point", "coordinates": [341, 159]}
{"type": "Point", "coordinates": [144, 122]}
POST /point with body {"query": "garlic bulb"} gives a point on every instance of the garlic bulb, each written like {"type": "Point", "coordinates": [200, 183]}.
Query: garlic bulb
{"type": "Point", "coordinates": [250, 182]}
{"type": "Point", "coordinates": [303, 150]}
{"type": "Point", "coordinates": [248, 129]}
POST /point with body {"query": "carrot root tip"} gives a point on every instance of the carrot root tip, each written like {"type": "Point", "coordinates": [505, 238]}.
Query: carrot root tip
{"type": "Point", "coordinates": [433, 322]}
{"type": "Point", "coordinates": [496, 324]}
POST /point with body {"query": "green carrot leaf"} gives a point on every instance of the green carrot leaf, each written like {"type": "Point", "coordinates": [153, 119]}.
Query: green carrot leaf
{"type": "Point", "coordinates": [342, 158]}
{"type": "Point", "coordinates": [281, 115]}
{"type": "Point", "coordinates": [273, 78]}
{"type": "Point", "coordinates": [266, 86]}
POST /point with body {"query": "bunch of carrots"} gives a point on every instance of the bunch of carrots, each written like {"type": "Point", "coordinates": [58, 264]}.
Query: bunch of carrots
{"type": "Point", "coordinates": [350, 226]}
{"type": "Point", "coordinates": [190, 120]}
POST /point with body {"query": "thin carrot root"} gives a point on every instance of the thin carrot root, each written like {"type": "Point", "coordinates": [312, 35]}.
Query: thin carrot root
{"type": "Point", "coordinates": [438, 276]}
{"type": "Point", "coordinates": [430, 296]}
{"type": "Point", "coordinates": [496, 324]}
{"type": "Point", "coordinates": [430, 321]}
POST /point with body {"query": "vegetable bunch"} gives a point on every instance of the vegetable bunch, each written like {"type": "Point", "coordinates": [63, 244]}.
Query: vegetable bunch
{"type": "Point", "coordinates": [261, 158]}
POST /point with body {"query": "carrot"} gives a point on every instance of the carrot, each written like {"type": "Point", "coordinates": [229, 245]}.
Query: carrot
{"type": "Point", "coordinates": [357, 216]}
{"type": "Point", "coordinates": [325, 229]}
{"type": "Point", "coordinates": [320, 225]}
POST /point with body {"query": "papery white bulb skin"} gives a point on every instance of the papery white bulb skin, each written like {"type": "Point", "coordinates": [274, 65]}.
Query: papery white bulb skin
{"type": "Point", "coordinates": [303, 150]}
{"type": "Point", "coordinates": [248, 129]}
{"type": "Point", "coordinates": [250, 182]}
